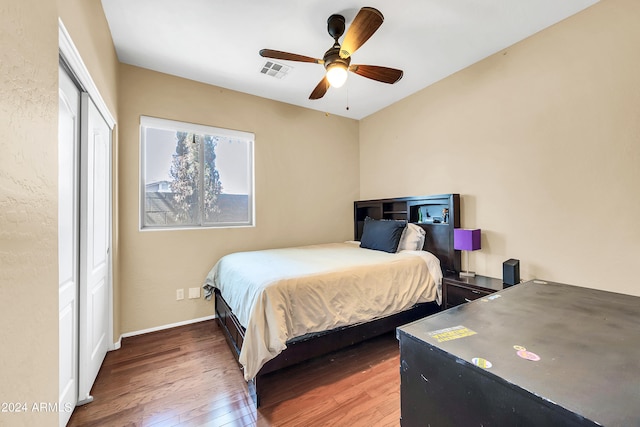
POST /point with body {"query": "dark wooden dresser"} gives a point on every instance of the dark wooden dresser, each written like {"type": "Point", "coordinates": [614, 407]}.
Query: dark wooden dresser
{"type": "Point", "coordinates": [535, 354]}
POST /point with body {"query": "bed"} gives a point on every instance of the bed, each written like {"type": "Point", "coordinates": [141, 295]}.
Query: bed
{"type": "Point", "coordinates": [279, 307]}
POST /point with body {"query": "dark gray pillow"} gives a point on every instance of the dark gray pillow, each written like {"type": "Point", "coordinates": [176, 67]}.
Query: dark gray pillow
{"type": "Point", "coordinates": [381, 235]}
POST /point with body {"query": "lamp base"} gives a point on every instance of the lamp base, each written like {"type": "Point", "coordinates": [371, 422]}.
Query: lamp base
{"type": "Point", "coordinates": [467, 274]}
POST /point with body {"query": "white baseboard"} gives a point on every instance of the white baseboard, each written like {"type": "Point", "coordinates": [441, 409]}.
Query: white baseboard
{"type": "Point", "coordinates": [118, 343]}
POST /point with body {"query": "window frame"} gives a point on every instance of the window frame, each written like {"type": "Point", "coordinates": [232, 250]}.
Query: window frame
{"type": "Point", "coordinates": [179, 126]}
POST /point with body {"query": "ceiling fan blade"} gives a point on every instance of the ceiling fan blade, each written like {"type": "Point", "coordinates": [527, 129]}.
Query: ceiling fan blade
{"type": "Point", "coordinates": [366, 22]}
{"type": "Point", "coordinates": [381, 74]}
{"type": "Point", "coordinates": [276, 54]}
{"type": "Point", "coordinates": [321, 89]}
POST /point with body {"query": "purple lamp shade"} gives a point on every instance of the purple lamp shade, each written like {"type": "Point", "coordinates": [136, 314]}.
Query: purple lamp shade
{"type": "Point", "coordinates": [466, 239]}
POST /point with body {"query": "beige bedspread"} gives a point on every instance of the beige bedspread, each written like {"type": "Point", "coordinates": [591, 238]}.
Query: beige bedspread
{"type": "Point", "coordinates": [280, 294]}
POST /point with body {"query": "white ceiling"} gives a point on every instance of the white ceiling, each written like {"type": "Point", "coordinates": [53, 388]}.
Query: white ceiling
{"type": "Point", "coordinates": [217, 42]}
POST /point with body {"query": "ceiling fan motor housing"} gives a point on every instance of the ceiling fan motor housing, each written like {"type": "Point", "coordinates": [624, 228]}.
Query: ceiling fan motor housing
{"type": "Point", "coordinates": [335, 27]}
{"type": "Point", "coordinates": [332, 58]}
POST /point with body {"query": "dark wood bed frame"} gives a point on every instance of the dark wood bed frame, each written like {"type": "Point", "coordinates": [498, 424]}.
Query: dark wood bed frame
{"type": "Point", "coordinates": [439, 241]}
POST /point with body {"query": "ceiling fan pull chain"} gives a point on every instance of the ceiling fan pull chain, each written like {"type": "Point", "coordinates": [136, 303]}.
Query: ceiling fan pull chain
{"type": "Point", "coordinates": [347, 97]}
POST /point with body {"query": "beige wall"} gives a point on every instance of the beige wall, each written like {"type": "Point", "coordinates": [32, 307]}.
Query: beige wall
{"type": "Point", "coordinates": [29, 192]}
{"type": "Point", "coordinates": [28, 208]}
{"type": "Point", "coordinates": [542, 140]}
{"type": "Point", "coordinates": [306, 178]}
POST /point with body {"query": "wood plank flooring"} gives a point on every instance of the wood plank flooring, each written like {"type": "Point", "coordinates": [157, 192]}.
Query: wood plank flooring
{"type": "Point", "coordinates": [187, 376]}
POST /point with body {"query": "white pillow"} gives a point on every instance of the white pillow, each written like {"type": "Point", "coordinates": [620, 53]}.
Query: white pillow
{"type": "Point", "coordinates": [412, 238]}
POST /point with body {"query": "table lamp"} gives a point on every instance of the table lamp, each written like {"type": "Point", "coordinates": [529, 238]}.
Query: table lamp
{"type": "Point", "coordinates": [466, 240]}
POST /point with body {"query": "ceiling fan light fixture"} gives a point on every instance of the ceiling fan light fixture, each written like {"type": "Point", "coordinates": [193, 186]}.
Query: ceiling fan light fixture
{"type": "Point", "coordinates": [337, 74]}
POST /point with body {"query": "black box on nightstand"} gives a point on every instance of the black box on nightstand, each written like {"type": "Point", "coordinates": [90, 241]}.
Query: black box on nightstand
{"type": "Point", "coordinates": [511, 272]}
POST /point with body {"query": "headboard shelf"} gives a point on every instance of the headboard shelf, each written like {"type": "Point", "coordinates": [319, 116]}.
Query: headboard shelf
{"type": "Point", "coordinates": [426, 211]}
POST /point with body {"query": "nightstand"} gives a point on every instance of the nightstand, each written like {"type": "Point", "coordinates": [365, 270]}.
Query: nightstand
{"type": "Point", "coordinates": [457, 290]}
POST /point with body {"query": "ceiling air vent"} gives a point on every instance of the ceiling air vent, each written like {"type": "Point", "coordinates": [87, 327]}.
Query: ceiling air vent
{"type": "Point", "coordinates": [274, 69]}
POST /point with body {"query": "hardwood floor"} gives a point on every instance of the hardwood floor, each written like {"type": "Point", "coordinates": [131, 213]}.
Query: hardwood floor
{"type": "Point", "coordinates": [187, 376]}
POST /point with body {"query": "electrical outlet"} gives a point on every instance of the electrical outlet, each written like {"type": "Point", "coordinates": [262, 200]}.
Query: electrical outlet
{"type": "Point", "coordinates": [179, 294]}
{"type": "Point", "coordinates": [194, 293]}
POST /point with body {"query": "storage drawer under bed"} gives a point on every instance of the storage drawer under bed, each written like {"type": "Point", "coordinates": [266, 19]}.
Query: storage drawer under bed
{"type": "Point", "coordinates": [230, 323]}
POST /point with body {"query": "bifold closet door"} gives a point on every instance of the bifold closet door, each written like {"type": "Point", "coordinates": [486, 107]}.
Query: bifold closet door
{"type": "Point", "coordinates": [68, 242]}
{"type": "Point", "coordinates": [95, 220]}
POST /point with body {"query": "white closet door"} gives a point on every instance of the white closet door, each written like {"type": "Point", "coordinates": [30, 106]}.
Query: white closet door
{"type": "Point", "coordinates": [68, 142]}
{"type": "Point", "coordinates": [95, 220]}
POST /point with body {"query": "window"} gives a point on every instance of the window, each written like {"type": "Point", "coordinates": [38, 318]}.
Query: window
{"type": "Point", "coordinates": [195, 176]}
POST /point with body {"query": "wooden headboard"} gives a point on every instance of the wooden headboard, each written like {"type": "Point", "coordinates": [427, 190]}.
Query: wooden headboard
{"type": "Point", "coordinates": [425, 211]}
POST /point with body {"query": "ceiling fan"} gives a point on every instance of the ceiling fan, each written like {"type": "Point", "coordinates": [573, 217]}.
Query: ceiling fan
{"type": "Point", "coordinates": [337, 60]}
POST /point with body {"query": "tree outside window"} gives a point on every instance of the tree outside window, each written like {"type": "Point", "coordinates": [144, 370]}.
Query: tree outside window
{"type": "Point", "coordinates": [195, 176]}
